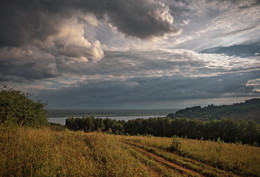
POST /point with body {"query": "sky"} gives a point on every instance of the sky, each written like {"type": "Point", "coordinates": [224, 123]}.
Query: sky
{"type": "Point", "coordinates": [131, 54]}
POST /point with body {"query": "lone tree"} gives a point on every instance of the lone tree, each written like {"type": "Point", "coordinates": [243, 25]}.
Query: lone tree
{"type": "Point", "coordinates": [16, 107]}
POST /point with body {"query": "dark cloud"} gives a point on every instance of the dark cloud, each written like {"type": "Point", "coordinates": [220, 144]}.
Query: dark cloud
{"type": "Point", "coordinates": [57, 45]}
{"type": "Point", "coordinates": [143, 19]}
{"type": "Point", "coordinates": [21, 65]}
{"type": "Point", "coordinates": [150, 90]}
{"type": "Point", "coordinates": [56, 32]}
{"type": "Point", "coordinates": [25, 21]}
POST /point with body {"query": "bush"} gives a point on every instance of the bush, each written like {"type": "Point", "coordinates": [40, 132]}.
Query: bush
{"type": "Point", "coordinates": [176, 145]}
{"type": "Point", "coordinates": [17, 108]}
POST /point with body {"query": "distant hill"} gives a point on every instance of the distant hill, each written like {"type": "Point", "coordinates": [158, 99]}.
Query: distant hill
{"type": "Point", "coordinates": [250, 109]}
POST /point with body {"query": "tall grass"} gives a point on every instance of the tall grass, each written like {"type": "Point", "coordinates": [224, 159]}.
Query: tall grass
{"type": "Point", "coordinates": [47, 153]}
{"type": "Point", "coordinates": [241, 159]}
{"type": "Point", "coordinates": [44, 152]}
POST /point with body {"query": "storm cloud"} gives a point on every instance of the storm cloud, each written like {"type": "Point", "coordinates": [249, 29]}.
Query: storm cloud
{"type": "Point", "coordinates": [46, 33]}
{"type": "Point", "coordinates": [23, 22]}
{"type": "Point", "coordinates": [136, 91]}
{"type": "Point", "coordinates": [105, 53]}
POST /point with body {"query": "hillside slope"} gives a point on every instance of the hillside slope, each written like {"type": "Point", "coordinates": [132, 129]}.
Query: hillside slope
{"type": "Point", "coordinates": [250, 109]}
{"type": "Point", "coordinates": [43, 152]}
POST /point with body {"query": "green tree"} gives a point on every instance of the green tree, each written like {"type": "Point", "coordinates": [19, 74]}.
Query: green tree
{"type": "Point", "coordinates": [16, 107]}
{"type": "Point", "coordinates": [99, 124]}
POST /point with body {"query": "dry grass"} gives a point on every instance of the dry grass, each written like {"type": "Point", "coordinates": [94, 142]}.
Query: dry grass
{"type": "Point", "coordinates": [44, 152]}
{"type": "Point", "coordinates": [241, 159]}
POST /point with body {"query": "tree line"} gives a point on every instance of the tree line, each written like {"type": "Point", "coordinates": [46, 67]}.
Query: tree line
{"type": "Point", "coordinates": [228, 130]}
{"type": "Point", "coordinates": [16, 107]}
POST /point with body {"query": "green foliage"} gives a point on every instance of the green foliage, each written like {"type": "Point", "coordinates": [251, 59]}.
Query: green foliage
{"type": "Point", "coordinates": [255, 144]}
{"type": "Point", "coordinates": [17, 108]}
{"type": "Point", "coordinates": [176, 145]}
{"type": "Point", "coordinates": [227, 130]}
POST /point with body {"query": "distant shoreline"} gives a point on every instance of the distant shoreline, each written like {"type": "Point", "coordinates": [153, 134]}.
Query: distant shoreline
{"type": "Point", "coordinates": [107, 112]}
{"type": "Point", "coordinates": [61, 120]}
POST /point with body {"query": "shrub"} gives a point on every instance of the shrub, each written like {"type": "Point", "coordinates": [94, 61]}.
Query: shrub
{"type": "Point", "coordinates": [17, 108]}
{"type": "Point", "coordinates": [176, 145]}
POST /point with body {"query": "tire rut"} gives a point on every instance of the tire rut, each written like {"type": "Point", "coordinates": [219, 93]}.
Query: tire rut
{"type": "Point", "coordinates": [165, 162]}
{"type": "Point", "coordinates": [208, 170]}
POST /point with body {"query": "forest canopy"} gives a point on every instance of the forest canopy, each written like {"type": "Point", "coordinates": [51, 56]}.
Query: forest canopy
{"type": "Point", "coordinates": [246, 131]}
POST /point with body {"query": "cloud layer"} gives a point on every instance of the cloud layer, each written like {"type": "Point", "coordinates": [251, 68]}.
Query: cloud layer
{"type": "Point", "coordinates": [151, 91]}
{"type": "Point", "coordinates": [153, 77]}
{"type": "Point", "coordinates": [122, 52]}
{"type": "Point", "coordinates": [37, 20]}
{"type": "Point", "coordinates": [43, 35]}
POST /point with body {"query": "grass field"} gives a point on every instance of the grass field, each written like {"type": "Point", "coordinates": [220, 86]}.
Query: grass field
{"type": "Point", "coordinates": [45, 152]}
{"type": "Point", "coordinates": [206, 157]}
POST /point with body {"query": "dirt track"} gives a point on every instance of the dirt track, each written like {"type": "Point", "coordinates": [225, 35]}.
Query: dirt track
{"type": "Point", "coordinates": [168, 163]}
{"type": "Point", "coordinates": [208, 170]}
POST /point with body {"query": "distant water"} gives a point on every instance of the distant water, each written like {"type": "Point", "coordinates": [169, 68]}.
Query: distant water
{"type": "Point", "coordinates": [57, 120]}
{"type": "Point", "coordinates": [61, 120]}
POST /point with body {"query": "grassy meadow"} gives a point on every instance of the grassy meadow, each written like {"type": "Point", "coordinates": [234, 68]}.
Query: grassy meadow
{"type": "Point", "coordinates": [236, 158]}
{"type": "Point", "coordinates": [44, 152]}
{"type": "Point", "coordinates": [41, 152]}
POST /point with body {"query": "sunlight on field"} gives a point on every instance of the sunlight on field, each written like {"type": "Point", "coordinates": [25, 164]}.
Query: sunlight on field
{"type": "Point", "coordinates": [43, 152]}
{"type": "Point", "coordinates": [241, 159]}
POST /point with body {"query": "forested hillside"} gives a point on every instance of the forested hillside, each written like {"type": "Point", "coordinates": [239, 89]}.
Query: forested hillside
{"type": "Point", "coordinates": [250, 109]}
{"type": "Point", "coordinates": [231, 123]}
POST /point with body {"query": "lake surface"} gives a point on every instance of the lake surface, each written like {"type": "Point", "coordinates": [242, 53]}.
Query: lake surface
{"type": "Point", "coordinates": [61, 120]}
